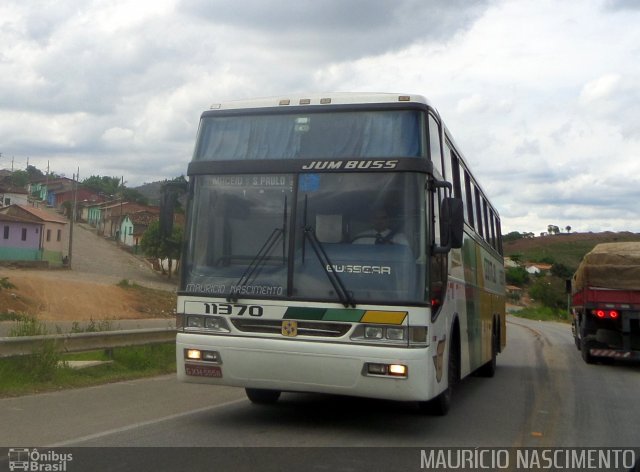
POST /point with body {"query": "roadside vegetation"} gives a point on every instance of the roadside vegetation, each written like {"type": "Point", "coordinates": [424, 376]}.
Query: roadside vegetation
{"type": "Point", "coordinates": [543, 296]}
{"type": "Point", "coordinates": [46, 369]}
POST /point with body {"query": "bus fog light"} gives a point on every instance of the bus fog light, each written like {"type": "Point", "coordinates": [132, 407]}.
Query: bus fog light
{"type": "Point", "coordinates": [398, 370]}
{"type": "Point", "coordinates": [373, 332]}
{"type": "Point", "coordinates": [396, 334]}
{"type": "Point", "coordinates": [194, 354]}
{"type": "Point", "coordinates": [377, 369]}
{"type": "Point", "coordinates": [210, 356]}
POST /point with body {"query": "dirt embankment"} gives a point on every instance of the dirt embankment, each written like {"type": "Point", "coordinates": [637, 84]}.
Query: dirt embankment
{"type": "Point", "coordinates": [52, 296]}
{"type": "Point", "coordinates": [93, 288]}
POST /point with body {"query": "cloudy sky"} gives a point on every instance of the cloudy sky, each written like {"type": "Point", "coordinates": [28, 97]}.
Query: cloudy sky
{"type": "Point", "coordinates": [542, 96]}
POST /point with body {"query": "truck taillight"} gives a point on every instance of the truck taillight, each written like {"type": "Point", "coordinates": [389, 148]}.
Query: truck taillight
{"type": "Point", "coordinates": [613, 314]}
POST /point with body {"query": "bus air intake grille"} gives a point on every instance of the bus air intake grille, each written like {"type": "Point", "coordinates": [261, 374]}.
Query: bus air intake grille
{"type": "Point", "coordinates": [305, 328]}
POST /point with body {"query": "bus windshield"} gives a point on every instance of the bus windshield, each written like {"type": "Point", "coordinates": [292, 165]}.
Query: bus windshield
{"type": "Point", "coordinates": [290, 236]}
{"type": "Point", "coordinates": [353, 135]}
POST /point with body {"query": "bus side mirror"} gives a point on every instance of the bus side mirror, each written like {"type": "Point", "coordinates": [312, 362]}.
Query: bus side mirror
{"type": "Point", "coordinates": [451, 225]}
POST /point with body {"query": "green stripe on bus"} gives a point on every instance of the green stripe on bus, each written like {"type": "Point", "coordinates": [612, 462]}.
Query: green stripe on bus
{"type": "Point", "coordinates": [343, 315]}
{"type": "Point", "coordinates": [302, 313]}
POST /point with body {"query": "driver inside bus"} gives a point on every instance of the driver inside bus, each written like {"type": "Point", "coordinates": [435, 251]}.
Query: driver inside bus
{"type": "Point", "coordinates": [382, 231]}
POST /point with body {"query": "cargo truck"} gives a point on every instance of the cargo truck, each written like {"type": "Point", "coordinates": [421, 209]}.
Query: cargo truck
{"type": "Point", "coordinates": [605, 303]}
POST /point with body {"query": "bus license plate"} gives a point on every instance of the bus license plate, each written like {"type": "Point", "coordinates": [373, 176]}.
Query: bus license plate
{"type": "Point", "coordinates": [203, 370]}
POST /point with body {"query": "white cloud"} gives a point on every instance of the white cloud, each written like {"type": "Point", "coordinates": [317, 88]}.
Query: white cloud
{"type": "Point", "coordinates": [541, 96]}
{"type": "Point", "coordinates": [599, 89]}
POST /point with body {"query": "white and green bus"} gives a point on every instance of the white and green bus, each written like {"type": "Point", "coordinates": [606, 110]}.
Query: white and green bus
{"type": "Point", "coordinates": [292, 282]}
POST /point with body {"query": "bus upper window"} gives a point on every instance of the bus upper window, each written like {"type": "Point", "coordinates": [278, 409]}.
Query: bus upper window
{"type": "Point", "coordinates": [354, 135]}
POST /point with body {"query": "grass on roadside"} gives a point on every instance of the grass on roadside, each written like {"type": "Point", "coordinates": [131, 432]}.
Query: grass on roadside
{"type": "Point", "coordinates": [48, 370]}
{"type": "Point", "coordinates": [543, 314]}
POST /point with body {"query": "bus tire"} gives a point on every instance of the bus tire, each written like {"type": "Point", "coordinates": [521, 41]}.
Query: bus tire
{"type": "Point", "coordinates": [440, 405]}
{"type": "Point", "coordinates": [489, 369]}
{"type": "Point", "coordinates": [261, 396]}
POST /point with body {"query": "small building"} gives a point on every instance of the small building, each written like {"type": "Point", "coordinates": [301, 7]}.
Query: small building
{"type": "Point", "coordinates": [20, 239]}
{"type": "Point", "coordinates": [112, 215]}
{"type": "Point", "coordinates": [54, 233]}
{"type": "Point", "coordinates": [134, 225]}
{"type": "Point", "coordinates": [10, 195]}
{"type": "Point", "coordinates": [538, 268]}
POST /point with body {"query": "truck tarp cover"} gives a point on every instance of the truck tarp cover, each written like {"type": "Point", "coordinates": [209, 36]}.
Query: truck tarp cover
{"type": "Point", "coordinates": [611, 265]}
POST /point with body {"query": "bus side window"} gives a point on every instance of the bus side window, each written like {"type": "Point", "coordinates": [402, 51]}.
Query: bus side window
{"type": "Point", "coordinates": [434, 145]}
{"type": "Point", "coordinates": [455, 175]}
{"type": "Point", "coordinates": [478, 209]}
{"type": "Point", "coordinates": [468, 203]}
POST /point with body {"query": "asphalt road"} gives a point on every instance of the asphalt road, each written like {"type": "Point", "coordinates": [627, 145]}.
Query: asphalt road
{"type": "Point", "coordinates": [543, 395]}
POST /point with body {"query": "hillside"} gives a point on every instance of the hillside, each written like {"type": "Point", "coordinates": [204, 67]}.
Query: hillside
{"type": "Point", "coordinates": [564, 248]}
{"type": "Point", "coordinates": [152, 191]}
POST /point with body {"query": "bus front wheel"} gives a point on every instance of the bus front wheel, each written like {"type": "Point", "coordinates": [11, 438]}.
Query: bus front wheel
{"type": "Point", "coordinates": [440, 405]}
{"type": "Point", "coordinates": [261, 396]}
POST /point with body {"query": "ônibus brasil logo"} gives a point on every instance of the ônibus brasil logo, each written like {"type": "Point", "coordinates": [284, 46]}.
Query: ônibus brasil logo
{"type": "Point", "coordinates": [22, 458]}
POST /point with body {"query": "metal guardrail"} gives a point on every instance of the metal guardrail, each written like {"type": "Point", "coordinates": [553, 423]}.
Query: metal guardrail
{"type": "Point", "coordinates": [81, 342]}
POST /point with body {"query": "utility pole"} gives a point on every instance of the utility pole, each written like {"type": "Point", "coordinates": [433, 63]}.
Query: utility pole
{"type": "Point", "coordinates": [119, 230]}
{"type": "Point", "coordinates": [76, 179]}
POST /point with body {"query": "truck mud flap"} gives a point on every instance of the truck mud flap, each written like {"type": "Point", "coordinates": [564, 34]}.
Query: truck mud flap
{"type": "Point", "coordinates": [615, 354]}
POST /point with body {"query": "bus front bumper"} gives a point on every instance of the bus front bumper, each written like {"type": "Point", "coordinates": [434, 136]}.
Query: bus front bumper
{"type": "Point", "coordinates": [319, 367]}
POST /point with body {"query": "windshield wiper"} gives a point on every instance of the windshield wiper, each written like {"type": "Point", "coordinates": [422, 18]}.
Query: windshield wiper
{"type": "Point", "coordinates": [341, 290]}
{"type": "Point", "coordinates": [258, 261]}
{"type": "Point", "coordinates": [262, 255]}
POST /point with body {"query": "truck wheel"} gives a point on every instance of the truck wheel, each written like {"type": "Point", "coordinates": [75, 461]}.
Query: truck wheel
{"type": "Point", "coordinates": [585, 346]}
{"type": "Point", "coordinates": [261, 396]}
{"type": "Point", "coordinates": [575, 330]}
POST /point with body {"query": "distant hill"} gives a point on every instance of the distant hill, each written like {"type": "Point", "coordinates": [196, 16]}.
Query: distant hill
{"type": "Point", "coordinates": [151, 191]}
{"type": "Point", "coordinates": [563, 248]}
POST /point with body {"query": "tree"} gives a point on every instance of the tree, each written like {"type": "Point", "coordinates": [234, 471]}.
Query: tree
{"type": "Point", "coordinates": [517, 276]}
{"type": "Point", "coordinates": [561, 271]}
{"type": "Point", "coordinates": [512, 236]}
{"type": "Point", "coordinates": [151, 243]}
{"type": "Point", "coordinates": [568, 228]}
{"type": "Point", "coordinates": [133, 195]}
{"type": "Point", "coordinates": [109, 186]}
{"type": "Point", "coordinates": [516, 257]}
{"type": "Point", "coordinates": [19, 178]}
{"type": "Point", "coordinates": [34, 173]}
{"type": "Point", "coordinates": [549, 291]}
{"type": "Point", "coordinates": [160, 248]}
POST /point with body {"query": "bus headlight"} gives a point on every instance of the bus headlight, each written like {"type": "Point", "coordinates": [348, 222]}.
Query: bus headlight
{"type": "Point", "coordinates": [373, 332]}
{"type": "Point", "coordinates": [195, 321]}
{"type": "Point", "coordinates": [395, 334]}
{"type": "Point", "coordinates": [216, 324]}
{"type": "Point", "coordinates": [380, 334]}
